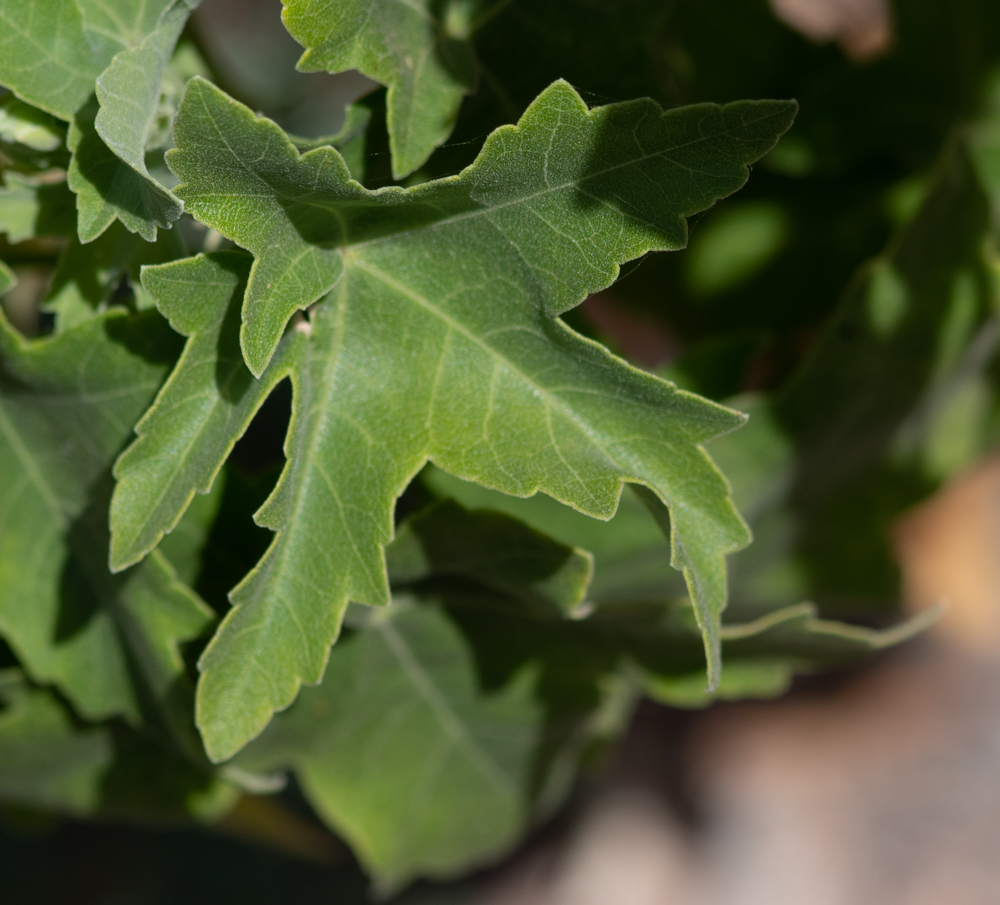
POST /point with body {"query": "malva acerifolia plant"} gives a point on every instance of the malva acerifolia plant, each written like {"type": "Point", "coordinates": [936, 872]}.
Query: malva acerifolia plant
{"type": "Point", "coordinates": [487, 535]}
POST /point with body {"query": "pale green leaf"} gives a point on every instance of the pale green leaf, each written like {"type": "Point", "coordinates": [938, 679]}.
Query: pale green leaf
{"type": "Point", "coordinates": [30, 208]}
{"type": "Point", "coordinates": [423, 58]}
{"type": "Point", "coordinates": [403, 753]}
{"type": "Point", "coordinates": [7, 279]}
{"type": "Point", "coordinates": [23, 124]}
{"type": "Point", "coordinates": [66, 407]}
{"type": "Point", "coordinates": [451, 288]}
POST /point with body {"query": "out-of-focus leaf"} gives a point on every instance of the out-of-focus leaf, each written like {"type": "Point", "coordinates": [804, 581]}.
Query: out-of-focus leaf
{"type": "Point", "coordinates": [108, 642]}
{"type": "Point", "coordinates": [494, 550]}
{"type": "Point", "coordinates": [23, 124]}
{"type": "Point", "coordinates": [403, 752]}
{"type": "Point", "coordinates": [7, 278]}
{"type": "Point", "coordinates": [47, 762]}
{"type": "Point", "coordinates": [29, 208]}
{"type": "Point", "coordinates": [631, 553]}
{"type": "Point", "coordinates": [891, 401]}
{"type": "Point", "coordinates": [90, 278]}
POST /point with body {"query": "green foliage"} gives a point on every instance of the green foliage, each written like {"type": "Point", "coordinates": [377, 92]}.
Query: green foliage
{"type": "Point", "coordinates": [289, 398]}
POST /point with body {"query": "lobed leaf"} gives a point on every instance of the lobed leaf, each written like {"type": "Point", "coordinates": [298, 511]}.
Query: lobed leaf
{"type": "Point", "coordinates": [439, 341]}
{"type": "Point", "coordinates": [424, 59]}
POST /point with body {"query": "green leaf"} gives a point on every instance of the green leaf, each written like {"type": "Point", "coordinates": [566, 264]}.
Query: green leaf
{"type": "Point", "coordinates": [203, 408]}
{"type": "Point", "coordinates": [7, 279]}
{"type": "Point", "coordinates": [631, 553]}
{"type": "Point", "coordinates": [865, 429]}
{"type": "Point", "coordinates": [473, 371]}
{"type": "Point", "coordinates": [539, 192]}
{"type": "Point", "coordinates": [492, 549]}
{"type": "Point", "coordinates": [47, 761]}
{"type": "Point", "coordinates": [423, 58]}
{"type": "Point", "coordinates": [23, 124]}
{"type": "Point", "coordinates": [762, 656]}
{"type": "Point", "coordinates": [108, 642]}
{"type": "Point", "coordinates": [29, 208]}
{"type": "Point", "coordinates": [52, 762]}
{"type": "Point", "coordinates": [90, 278]}
{"type": "Point", "coordinates": [124, 48]}
{"type": "Point", "coordinates": [108, 136]}
{"type": "Point", "coordinates": [50, 54]}
{"type": "Point", "coordinates": [405, 755]}
{"type": "Point", "coordinates": [350, 140]}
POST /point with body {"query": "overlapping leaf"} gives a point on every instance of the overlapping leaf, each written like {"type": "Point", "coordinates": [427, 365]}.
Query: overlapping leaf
{"type": "Point", "coordinates": [54, 52]}
{"type": "Point", "coordinates": [108, 642]}
{"type": "Point", "coordinates": [432, 741]}
{"type": "Point", "coordinates": [439, 342]}
{"type": "Point", "coordinates": [421, 55]}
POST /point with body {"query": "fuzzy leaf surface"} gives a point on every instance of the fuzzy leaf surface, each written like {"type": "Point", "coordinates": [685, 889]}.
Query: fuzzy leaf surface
{"type": "Point", "coordinates": [427, 63]}
{"type": "Point", "coordinates": [108, 642]}
{"type": "Point", "coordinates": [451, 288]}
{"type": "Point", "coordinates": [199, 413]}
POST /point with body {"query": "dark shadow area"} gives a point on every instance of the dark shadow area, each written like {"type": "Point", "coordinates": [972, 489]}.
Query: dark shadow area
{"type": "Point", "coordinates": [95, 864]}
{"type": "Point", "coordinates": [261, 448]}
{"type": "Point", "coordinates": [235, 543]}
{"type": "Point", "coordinates": [148, 335]}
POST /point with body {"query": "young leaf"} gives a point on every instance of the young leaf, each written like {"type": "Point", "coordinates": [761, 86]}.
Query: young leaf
{"type": "Point", "coordinates": [66, 407]}
{"type": "Point", "coordinates": [404, 754]}
{"type": "Point", "coordinates": [426, 62]}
